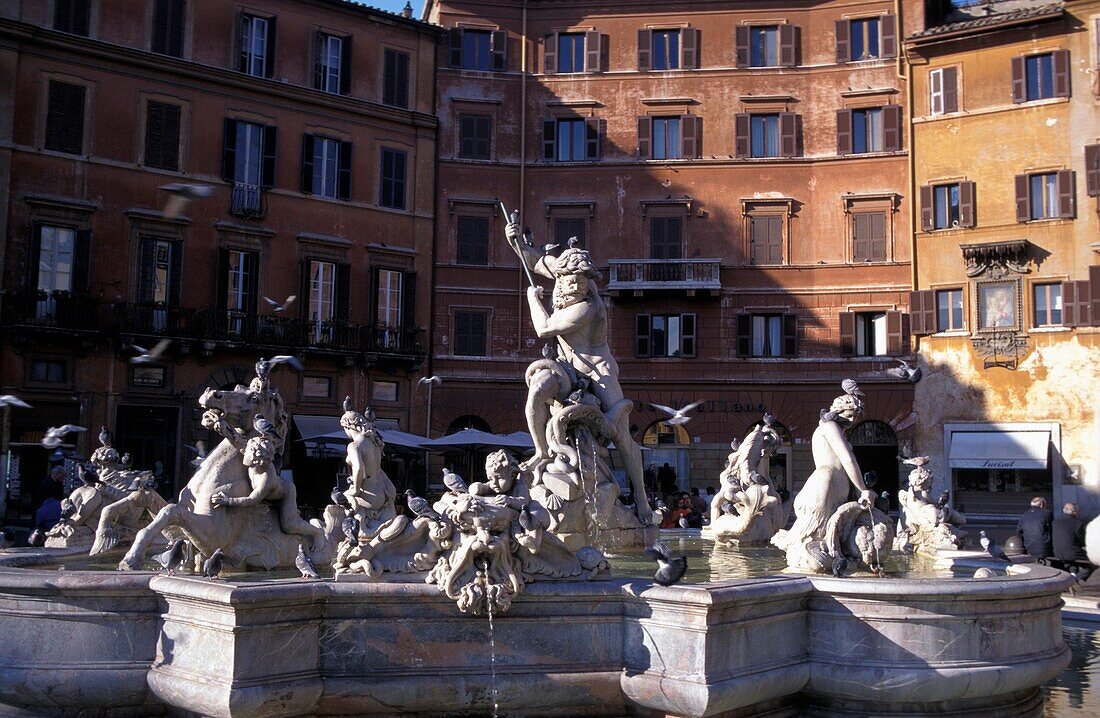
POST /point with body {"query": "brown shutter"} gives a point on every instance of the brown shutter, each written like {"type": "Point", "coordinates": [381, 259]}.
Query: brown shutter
{"type": "Point", "coordinates": [788, 45]}
{"type": "Point", "coordinates": [1061, 73]}
{"type": "Point", "coordinates": [922, 311]}
{"type": "Point", "coordinates": [966, 204]}
{"type": "Point", "coordinates": [790, 335]}
{"type": "Point", "coordinates": [499, 50]}
{"type": "Point", "coordinates": [891, 128]}
{"type": "Point", "coordinates": [878, 236]}
{"type": "Point", "coordinates": [741, 42]}
{"type": "Point", "coordinates": [549, 133]}
{"type": "Point", "coordinates": [1094, 294]}
{"type": "Point", "coordinates": [691, 136]}
{"type": "Point", "coordinates": [645, 43]}
{"type": "Point", "coordinates": [889, 31]}
{"type": "Point", "coordinates": [593, 49]}
{"type": "Point", "coordinates": [744, 335]}
{"type": "Point", "coordinates": [861, 236]}
{"type": "Point", "coordinates": [454, 47]}
{"type": "Point", "coordinates": [1092, 170]}
{"type": "Point", "coordinates": [1066, 194]}
{"type": "Point", "coordinates": [1019, 81]}
{"type": "Point", "coordinates": [1076, 303]}
{"type": "Point", "coordinates": [592, 138]}
{"type": "Point", "coordinates": [641, 335]}
{"type": "Point", "coordinates": [788, 134]}
{"type": "Point", "coordinates": [741, 135]}
{"type": "Point", "coordinates": [645, 136]}
{"type": "Point", "coordinates": [550, 54]}
{"type": "Point", "coordinates": [843, 41]}
{"type": "Point", "coordinates": [896, 333]}
{"type": "Point", "coordinates": [950, 78]}
{"type": "Point", "coordinates": [847, 333]}
{"type": "Point", "coordinates": [927, 217]}
{"type": "Point", "coordinates": [775, 240]}
{"type": "Point", "coordinates": [844, 132]}
{"type": "Point", "coordinates": [1023, 205]}
{"type": "Point", "coordinates": [689, 49]}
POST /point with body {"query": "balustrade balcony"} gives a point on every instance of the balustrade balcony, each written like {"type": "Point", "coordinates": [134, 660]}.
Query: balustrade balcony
{"type": "Point", "coordinates": [643, 274]}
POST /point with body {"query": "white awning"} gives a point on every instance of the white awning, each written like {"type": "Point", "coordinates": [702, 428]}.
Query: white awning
{"type": "Point", "coordinates": [999, 450]}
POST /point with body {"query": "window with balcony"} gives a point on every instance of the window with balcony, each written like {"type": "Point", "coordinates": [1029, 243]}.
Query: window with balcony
{"type": "Point", "coordinates": [395, 78]}
{"type": "Point", "coordinates": [869, 236]}
{"type": "Point", "coordinates": [394, 309]}
{"type": "Point", "coordinates": [162, 135]}
{"type": "Point", "coordinates": [392, 176]}
{"type": "Point", "coordinates": [56, 254]}
{"type": "Point", "coordinates": [949, 310]}
{"type": "Point", "coordinates": [59, 262]}
{"type": "Point", "coordinates": [475, 137]}
{"type": "Point", "coordinates": [866, 38]}
{"type": "Point", "coordinates": [470, 333]}
{"type": "Point", "coordinates": [472, 238]}
{"type": "Point", "coordinates": [321, 299]}
{"type": "Point", "coordinates": [65, 118]}
{"type": "Point", "coordinates": [71, 16]}
{"type": "Point", "coordinates": [766, 239]}
{"type": "Point", "coordinates": [388, 299]}
{"type": "Point", "coordinates": [238, 276]}
{"type": "Point", "coordinates": [248, 161]}
{"type": "Point", "coordinates": [869, 129]}
{"type": "Point", "coordinates": [665, 335]}
{"type": "Point", "coordinates": [571, 139]}
{"type": "Point", "coordinates": [767, 334]}
{"type": "Point", "coordinates": [256, 42]}
{"type": "Point", "coordinates": [168, 21]}
{"type": "Point", "coordinates": [1046, 304]}
{"type": "Point", "coordinates": [332, 63]}
{"type": "Point", "coordinates": [873, 333]}
{"type": "Point", "coordinates": [666, 242]}
{"type": "Point", "coordinates": [1040, 77]}
{"type": "Point", "coordinates": [326, 167]}
{"type": "Point", "coordinates": [472, 49]}
{"type": "Point", "coordinates": [160, 273]}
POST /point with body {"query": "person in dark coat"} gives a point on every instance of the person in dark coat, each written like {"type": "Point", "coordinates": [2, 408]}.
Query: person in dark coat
{"type": "Point", "coordinates": [1067, 534]}
{"type": "Point", "coordinates": [666, 477]}
{"type": "Point", "coordinates": [1034, 528]}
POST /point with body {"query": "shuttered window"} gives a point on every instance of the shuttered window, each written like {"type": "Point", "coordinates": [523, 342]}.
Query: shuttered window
{"type": "Point", "coordinates": [571, 139]}
{"type": "Point", "coordinates": [1045, 195]}
{"type": "Point", "coordinates": [766, 240]}
{"type": "Point", "coordinates": [665, 335]}
{"type": "Point", "coordinates": [767, 335]}
{"type": "Point", "coordinates": [874, 333]}
{"type": "Point", "coordinates": [1092, 170]}
{"type": "Point", "coordinates": [160, 272]}
{"type": "Point", "coordinates": [256, 45]}
{"type": "Point", "coordinates": [1076, 304]}
{"type": "Point", "coordinates": [949, 310]}
{"type": "Point", "coordinates": [168, 20]}
{"type": "Point", "coordinates": [943, 91]}
{"type": "Point", "coordinates": [477, 49]}
{"type": "Point", "coordinates": [766, 46]}
{"type": "Point", "coordinates": [1046, 305]}
{"type": "Point", "coordinates": [666, 49]}
{"type": "Point", "coordinates": [326, 167]}
{"type": "Point", "coordinates": [332, 63]}
{"type": "Point", "coordinates": [922, 311]}
{"type": "Point", "coordinates": [392, 189]}
{"type": "Point", "coordinates": [162, 135]}
{"type": "Point", "coordinates": [71, 16]}
{"type": "Point", "coordinates": [248, 153]}
{"type": "Point", "coordinates": [470, 334]}
{"type": "Point", "coordinates": [869, 236]}
{"type": "Point", "coordinates": [65, 118]}
{"type": "Point", "coordinates": [472, 237]}
{"type": "Point", "coordinates": [474, 137]}
{"type": "Point", "coordinates": [395, 78]}
{"type": "Point", "coordinates": [867, 38]}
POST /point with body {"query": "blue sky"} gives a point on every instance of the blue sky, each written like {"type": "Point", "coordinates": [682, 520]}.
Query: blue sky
{"type": "Point", "coordinates": [394, 5]}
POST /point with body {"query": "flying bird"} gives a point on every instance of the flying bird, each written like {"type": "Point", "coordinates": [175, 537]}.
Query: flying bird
{"type": "Point", "coordinates": [670, 569]}
{"type": "Point", "coordinates": [54, 434]}
{"type": "Point", "coordinates": [181, 194]}
{"type": "Point", "coordinates": [679, 416]}
{"type": "Point", "coordinates": [263, 426]}
{"type": "Point", "coordinates": [146, 356]}
{"type": "Point", "coordinates": [294, 362]}
{"type": "Point", "coordinates": [173, 557]}
{"type": "Point", "coordinates": [11, 400]}
{"type": "Point", "coordinates": [213, 565]}
{"type": "Point", "coordinates": [350, 527]}
{"type": "Point", "coordinates": [200, 453]}
{"type": "Point", "coordinates": [277, 307]}
{"type": "Point", "coordinates": [304, 564]}
{"type": "Point", "coordinates": [993, 548]}
{"type": "Point", "coordinates": [907, 371]}
{"type": "Point", "coordinates": [419, 506]}
{"type": "Point", "coordinates": [454, 482]}
{"type": "Point", "coordinates": [548, 248]}
{"type": "Point", "coordinates": [917, 460]}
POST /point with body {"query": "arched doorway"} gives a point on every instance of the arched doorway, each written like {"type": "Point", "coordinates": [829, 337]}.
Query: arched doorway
{"type": "Point", "coordinates": [876, 449]}
{"type": "Point", "coordinates": [668, 444]}
{"type": "Point", "coordinates": [662, 433]}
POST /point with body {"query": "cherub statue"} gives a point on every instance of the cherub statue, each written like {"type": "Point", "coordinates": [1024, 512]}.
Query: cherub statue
{"type": "Point", "coordinates": [370, 492]}
{"type": "Point", "coordinates": [927, 524]}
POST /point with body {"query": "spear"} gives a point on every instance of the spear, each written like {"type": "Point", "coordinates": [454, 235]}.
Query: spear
{"type": "Point", "coordinates": [514, 219]}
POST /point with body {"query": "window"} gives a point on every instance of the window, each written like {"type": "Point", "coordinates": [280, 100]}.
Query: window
{"type": "Point", "coordinates": [866, 38]}
{"type": "Point", "coordinates": [665, 335]}
{"type": "Point", "coordinates": [71, 16]}
{"type": "Point", "coordinates": [666, 138]}
{"type": "Point", "coordinates": [871, 129]}
{"type": "Point", "coordinates": [571, 139]}
{"type": "Point", "coordinates": [392, 192]}
{"type": "Point", "coordinates": [475, 137]}
{"type": "Point", "coordinates": [469, 333]}
{"type": "Point", "coordinates": [1045, 195]}
{"type": "Point", "coordinates": [1040, 77]}
{"type": "Point", "coordinates": [767, 335]}
{"type": "Point", "coordinates": [571, 52]}
{"type": "Point", "coordinates": [257, 46]}
{"type": "Point", "coordinates": [332, 64]}
{"type": "Point", "coordinates": [949, 310]}
{"type": "Point", "coordinates": [669, 138]}
{"type": "Point", "coordinates": [168, 19]}
{"type": "Point", "coordinates": [317, 387]}
{"type": "Point", "coordinates": [867, 130]}
{"type": "Point", "coordinates": [666, 242]}
{"type": "Point", "coordinates": [238, 270]}
{"type": "Point", "coordinates": [388, 300]}
{"type": "Point", "coordinates": [321, 305]}
{"type": "Point", "coordinates": [567, 228]}
{"type": "Point", "coordinates": [874, 333]}
{"type": "Point", "coordinates": [325, 287]}
{"type": "Point", "coordinates": [248, 155]}
{"type": "Point", "coordinates": [947, 206]}
{"type": "Point", "coordinates": [384, 391]}
{"type": "Point", "coordinates": [869, 236]}
{"type": "Point", "coordinates": [161, 272]}
{"type": "Point", "coordinates": [326, 167]}
{"type": "Point", "coordinates": [1092, 170]}
{"type": "Point", "coordinates": [943, 91]}
{"type": "Point", "coordinates": [473, 241]}
{"type": "Point", "coordinates": [59, 267]}
{"type": "Point", "coordinates": [48, 371]}
{"type": "Point", "coordinates": [395, 78]}
{"type": "Point", "coordinates": [766, 239]}
{"type": "Point", "coordinates": [871, 333]}
{"type": "Point", "coordinates": [1046, 305]}
{"type": "Point", "coordinates": [764, 46]}
{"type": "Point", "coordinates": [471, 49]}
{"type": "Point", "coordinates": [668, 49]}
{"type": "Point", "coordinates": [162, 135]}
{"type": "Point", "coordinates": [56, 256]}
{"type": "Point", "coordinates": [764, 135]}
{"type": "Point", "coordinates": [768, 135]}
{"type": "Point", "coordinates": [65, 118]}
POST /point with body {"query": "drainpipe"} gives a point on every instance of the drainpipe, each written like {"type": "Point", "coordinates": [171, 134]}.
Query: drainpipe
{"type": "Point", "coordinates": [430, 338]}
{"type": "Point", "coordinates": [905, 74]}
{"type": "Point", "coordinates": [522, 159]}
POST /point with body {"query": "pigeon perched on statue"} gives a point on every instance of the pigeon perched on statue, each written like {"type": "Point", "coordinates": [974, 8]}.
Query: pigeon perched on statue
{"type": "Point", "coordinates": [882, 503]}
{"type": "Point", "coordinates": [839, 567]}
{"type": "Point", "coordinates": [850, 387]}
{"type": "Point", "coordinates": [304, 564]}
{"type": "Point", "coordinates": [348, 406]}
{"type": "Point", "coordinates": [992, 548]}
{"type": "Point", "coordinates": [340, 498]}
{"type": "Point", "coordinates": [350, 527]}
{"type": "Point", "coordinates": [419, 506]}
{"type": "Point", "coordinates": [173, 557]}
{"type": "Point", "coordinates": [454, 482]}
{"type": "Point", "coordinates": [213, 565]}
{"type": "Point", "coordinates": [106, 438]}
{"type": "Point", "coordinates": [263, 426]}
{"type": "Point", "coordinates": [943, 500]}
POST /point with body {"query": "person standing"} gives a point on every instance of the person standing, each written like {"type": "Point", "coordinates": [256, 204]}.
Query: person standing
{"type": "Point", "coordinates": [666, 477]}
{"type": "Point", "coordinates": [1033, 528]}
{"type": "Point", "coordinates": [1067, 537]}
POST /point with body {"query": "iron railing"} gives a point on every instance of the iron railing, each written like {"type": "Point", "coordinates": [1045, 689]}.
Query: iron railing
{"type": "Point", "coordinates": [247, 201]}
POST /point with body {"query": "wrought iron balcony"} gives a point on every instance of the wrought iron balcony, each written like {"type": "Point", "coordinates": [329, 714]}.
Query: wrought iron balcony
{"type": "Point", "coordinates": [641, 274]}
{"type": "Point", "coordinates": [52, 310]}
{"type": "Point", "coordinates": [247, 201]}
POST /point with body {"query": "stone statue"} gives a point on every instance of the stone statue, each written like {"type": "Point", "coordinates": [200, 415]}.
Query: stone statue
{"type": "Point", "coordinates": [237, 501]}
{"type": "Point", "coordinates": [120, 521]}
{"type": "Point", "coordinates": [575, 405]}
{"type": "Point", "coordinates": [370, 491]}
{"type": "Point", "coordinates": [80, 511]}
{"type": "Point", "coordinates": [480, 545]}
{"type": "Point", "coordinates": [747, 507]}
{"type": "Point", "coordinates": [825, 532]}
{"type": "Point", "coordinates": [927, 525]}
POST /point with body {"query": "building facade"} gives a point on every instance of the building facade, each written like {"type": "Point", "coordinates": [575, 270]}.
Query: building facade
{"type": "Point", "coordinates": [1007, 305]}
{"type": "Point", "coordinates": [312, 120]}
{"type": "Point", "coordinates": [738, 171]}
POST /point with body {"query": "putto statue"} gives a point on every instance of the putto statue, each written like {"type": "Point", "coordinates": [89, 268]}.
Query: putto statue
{"type": "Point", "coordinates": [828, 534]}
{"type": "Point", "coordinates": [927, 525]}
{"type": "Point", "coordinates": [576, 408]}
{"type": "Point", "coordinates": [747, 508]}
{"type": "Point", "coordinates": [370, 492]}
{"type": "Point", "coordinates": [481, 544]}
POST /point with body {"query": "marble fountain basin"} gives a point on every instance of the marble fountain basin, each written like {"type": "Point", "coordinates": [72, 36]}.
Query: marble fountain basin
{"type": "Point", "coordinates": [101, 644]}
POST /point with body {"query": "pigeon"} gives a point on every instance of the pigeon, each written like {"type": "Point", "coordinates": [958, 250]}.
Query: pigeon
{"type": "Point", "coordinates": [213, 565]}
{"type": "Point", "coordinates": [572, 242]}
{"type": "Point", "coordinates": [106, 438]}
{"type": "Point", "coordinates": [850, 387]}
{"type": "Point", "coordinates": [906, 371]}
{"type": "Point", "coordinates": [679, 416]}
{"type": "Point", "coordinates": [757, 478]}
{"type": "Point", "coordinates": [429, 380]}
{"type": "Point", "coordinates": [348, 406]}
{"type": "Point", "coordinates": [126, 461]}
{"type": "Point", "coordinates": [277, 307]}
{"type": "Point", "coordinates": [140, 482]}
{"type": "Point", "coordinates": [263, 426]}
{"type": "Point", "coordinates": [7, 540]}
{"type": "Point", "coordinates": [769, 419]}
{"type": "Point", "coordinates": [882, 503]}
{"type": "Point", "coordinates": [548, 351]}
{"type": "Point", "coordinates": [350, 527]}
{"type": "Point", "coordinates": [339, 498]}
{"type": "Point", "coordinates": [304, 564]}
{"type": "Point", "coordinates": [839, 567]}
{"type": "Point", "coordinates": [454, 482]}
{"type": "Point", "coordinates": [526, 521]}
{"type": "Point", "coordinates": [181, 194]}
{"type": "Point", "coordinates": [173, 557]}
{"type": "Point", "coordinates": [943, 500]}
{"type": "Point", "coordinates": [870, 478]}
{"type": "Point", "coordinates": [548, 248]}
{"type": "Point", "coordinates": [54, 434]}
{"type": "Point", "coordinates": [294, 362]}
{"type": "Point", "coordinates": [145, 356]}
{"type": "Point", "coordinates": [10, 400]}
{"type": "Point", "coordinates": [669, 569]}
{"type": "Point", "coordinates": [200, 453]}
{"type": "Point", "coordinates": [684, 523]}
{"type": "Point", "coordinates": [87, 475]}
{"type": "Point", "coordinates": [993, 549]}
{"type": "Point", "coordinates": [68, 511]}
{"type": "Point", "coordinates": [916, 460]}
{"type": "Point", "coordinates": [419, 506]}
